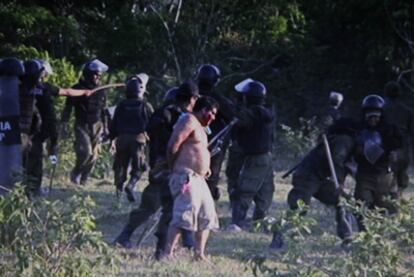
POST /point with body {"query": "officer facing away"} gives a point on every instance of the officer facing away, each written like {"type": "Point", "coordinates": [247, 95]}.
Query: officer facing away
{"type": "Point", "coordinates": [254, 135]}
{"type": "Point", "coordinates": [90, 120]}
{"type": "Point", "coordinates": [128, 136]}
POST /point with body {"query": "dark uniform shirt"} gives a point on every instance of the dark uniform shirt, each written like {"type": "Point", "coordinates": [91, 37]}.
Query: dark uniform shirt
{"type": "Point", "coordinates": [398, 114]}
{"type": "Point", "coordinates": [131, 117]}
{"type": "Point", "coordinates": [159, 129]}
{"type": "Point", "coordinates": [254, 130]}
{"type": "Point", "coordinates": [88, 110]}
{"type": "Point", "coordinates": [37, 113]}
{"type": "Point", "coordinates": [391, 139]}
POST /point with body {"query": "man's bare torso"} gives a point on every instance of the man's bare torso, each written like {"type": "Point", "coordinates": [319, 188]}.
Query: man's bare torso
{"type": "Point", "coordinates": [188, 146]}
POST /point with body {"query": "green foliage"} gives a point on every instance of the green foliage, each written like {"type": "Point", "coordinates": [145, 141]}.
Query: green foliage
{"type": "Point", "coordinates": [51, 238]}
{"type": "Point", "coordinates": [293, 143]}
{"type": "Point", "coordinates": [381, 249]}
{"type": "Point", "coordinates": [385, 248]}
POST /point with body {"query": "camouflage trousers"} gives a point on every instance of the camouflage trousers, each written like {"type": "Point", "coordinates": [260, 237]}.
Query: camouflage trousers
{"type": "Point", "coordinates": [33, 163]}
{"type": "Point", "coordinates": [234, 165]}
{"type": "Point", "coordinates": [130, 153]}
{"type": "Point", "coordinates": [215, 167]}
{"type": "Point", "coordinates": [87, 147]}
{"type": "Point", "coordinates": [373, 190]}
{"type": "Point", "coordinates": [255, 183]}
{"type": "Point", "coordinates": [307, 185]}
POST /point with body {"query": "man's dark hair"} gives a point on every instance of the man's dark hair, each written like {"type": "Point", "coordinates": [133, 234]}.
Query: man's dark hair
{"type": "Point", "coordinates": [205, 102]}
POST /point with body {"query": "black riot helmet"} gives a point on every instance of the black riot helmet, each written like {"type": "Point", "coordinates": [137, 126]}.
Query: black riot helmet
{"type": "Point", "coordinates": [91, 69]}
{"type": "Point", "coordinates": [254, 91]}
{"type": "Point", "coordinates": [373, 102]}
{"type": "Point", "coordinates": [33, 72]}
{"type": "Point", "coordinates": [11, 67]}
{"type": "Point", "coordinates": [170, 95]}
{"type": "Point", "coordinates": [208, 76]}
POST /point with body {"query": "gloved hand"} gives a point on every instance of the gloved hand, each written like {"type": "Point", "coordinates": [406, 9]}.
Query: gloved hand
{"type": "Point", "coordinates": [53, 159]}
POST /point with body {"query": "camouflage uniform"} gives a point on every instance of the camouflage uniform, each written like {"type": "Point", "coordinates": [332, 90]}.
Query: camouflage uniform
{"type": "Point", "coordinates": [313, 179]}
{"type": "Point", "coordinates": [377, 146]}
{"type": "Point", "coordinates": [128, 128]}
{"type": "Point", "coordinates": [37, 124]}
{"type": "Point", "coordinates": [90, 124]}
{"type": "Point", "coordinates": [234, 165]}
{"type": "Point", "coordinates": [374, 182]}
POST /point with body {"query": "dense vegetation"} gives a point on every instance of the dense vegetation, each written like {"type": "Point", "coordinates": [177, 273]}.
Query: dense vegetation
{"type": "Point", "coordinates": [300, 49]}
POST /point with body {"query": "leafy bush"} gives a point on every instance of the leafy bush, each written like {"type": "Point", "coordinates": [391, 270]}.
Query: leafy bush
{"type": "Point", "coordinates": [385, 248]}
{"type": "Point", "coordinates": [44, 238]}
{"type": "Point", "coordinates": [293, 143]}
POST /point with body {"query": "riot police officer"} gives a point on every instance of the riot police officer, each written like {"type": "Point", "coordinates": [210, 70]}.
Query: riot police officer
{"type": "Point", "coordinates": [38, 118]}
{"type": "Point", "coordinates": [313, 178]}
{"type": "Point", "coordinates": [208, 76]}
{"type": "Point", "coordinates": [254, 135]}
{"type": "Point", "coordinates": [90, 120]}
{"type": "Point", "coordinates": [128, 135]}
{"type": "Point", "coordinates": [235, 157]}
{"type": "Point", "coordinates": [378, 145]}
{"type": "Point", "coordinates": [402, 116]}
{"type": "Point", "coordinates": [37, 122]}
{"type": "Point", "coordinates": [10, 143]}
{"type": "Point", "coordinates": [157, 193]}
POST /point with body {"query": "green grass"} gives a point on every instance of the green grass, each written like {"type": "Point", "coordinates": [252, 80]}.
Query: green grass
{"type": "Point", "coordinates": [229, 252]}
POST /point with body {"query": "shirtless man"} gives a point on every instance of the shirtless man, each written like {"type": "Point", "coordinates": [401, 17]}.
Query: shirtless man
{"type": "Point", "coordinates": [189, 160]}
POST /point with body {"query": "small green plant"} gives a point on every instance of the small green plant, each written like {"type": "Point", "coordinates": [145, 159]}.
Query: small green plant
{"type": "Point", "coordinates": [44, 238]}
{"type": "Point", "coordinates": [295, 229]}
{"type": "Point", "coordinates": [384, 248]}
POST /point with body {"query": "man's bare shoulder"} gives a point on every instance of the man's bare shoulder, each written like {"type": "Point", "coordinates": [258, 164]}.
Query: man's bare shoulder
{"type": "Point", "coordinates": [186, 121]}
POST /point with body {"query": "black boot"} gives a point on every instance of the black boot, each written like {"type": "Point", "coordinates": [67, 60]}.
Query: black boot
{"type": "Point", "coordinates": [160, 247]}
{"type": "Point", "coordinates": [123, 238]}
{"type": "Point", "coordinates": [75, 177]}
{"type": "Point", "coordinates": [277, 241]}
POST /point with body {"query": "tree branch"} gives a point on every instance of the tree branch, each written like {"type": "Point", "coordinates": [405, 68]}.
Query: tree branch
{"type": "Point", "coordinates": [171, 42]}
{"type": "Point", "coordinates": [259, 67]}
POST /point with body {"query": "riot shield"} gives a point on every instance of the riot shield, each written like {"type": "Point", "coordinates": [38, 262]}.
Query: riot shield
{"type": "Point", "coordinates": [10, 141]}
